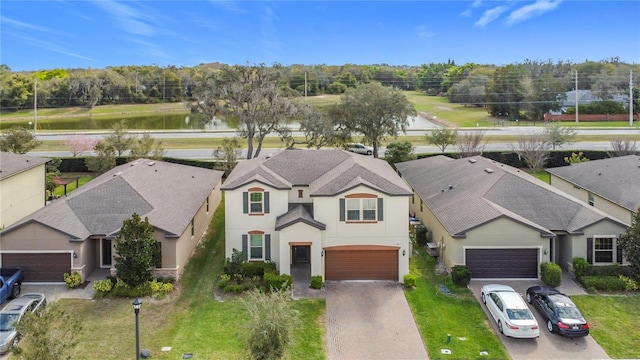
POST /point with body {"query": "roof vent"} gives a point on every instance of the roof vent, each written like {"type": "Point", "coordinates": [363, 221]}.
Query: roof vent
{"type": "Point", "coordinates": [488, 170]}
{"type": "Point", "coordinates": [450, 187]}
{"type": "Point", "coordinates": [118, 173]}
{"type": "Point", "coordinates": [151, 163]}
{"type": "Point", "coordinates": [473, 161]}
{"type": "Point", "coordinates": [134, 163]}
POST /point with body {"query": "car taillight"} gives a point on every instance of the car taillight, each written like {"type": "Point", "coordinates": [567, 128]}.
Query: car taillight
{"type": "Point", "coordinates": [585, 327]}
{"type": "Point", "coordinates": [512, 327]}
{"type": "Point", "coordinates": [535, 327]}
{"type": "Point", "coordinates": [563, 326]}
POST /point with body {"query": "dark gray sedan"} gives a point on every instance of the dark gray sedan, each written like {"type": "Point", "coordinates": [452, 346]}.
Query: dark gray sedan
{"type": "Point", "coordinates": [560, 313]}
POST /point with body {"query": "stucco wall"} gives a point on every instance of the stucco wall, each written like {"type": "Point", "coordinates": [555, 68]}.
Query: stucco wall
{"type": "Point", "coordinates": [301, 233]}
{"type": "Point", "coordinates": [599, 202]}
{"type": "Point", "coordinates": [21, 195]}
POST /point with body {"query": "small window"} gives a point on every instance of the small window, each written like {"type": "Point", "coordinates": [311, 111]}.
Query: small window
{"type": "Point", "coordinates": [300, 195]}
{"type": "Point", "coordinates": [255, 202]}
{"type": "Point", "coordinates": [369, 209]}
{"type": "Point", "coordinates": [207, 204]}
{"type": "Point", "coordinates": [591, 202]}
{"type": "Point", "coordinates": [421, 206]}
{"type": "Point", "coordinates": [193, 228]}
{"type": "Point", "coordinates": [603, 250]}
{"type": "Point", "coordinates": [353, 209]}
{"type": "Point", "coordinates": [255, 247]}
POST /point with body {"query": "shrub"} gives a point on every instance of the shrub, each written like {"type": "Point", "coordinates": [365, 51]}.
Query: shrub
{"type": "Point", "coordinates": [277, 282]}
{"type": "Point", "coordinates": [251, 269]}
{"type": "Point", "coordinates": [224, 280]}
{"type": "Point", "coordinates": [270, 267]}
{"type": "Point", "coordinates": [234, 263]}
{"type": "Point", "coordinates": [409, 281]}
{"type": "Point", "coordinates": [610, 270]}
{"type": "Point", "coordinates": [103, 286]}
{"type": "Point", "coordinates": [72, 280]}
{"type": "Point", "coordinates": [421, 235]}
{"type": "Point", "coordinates": [166, 279]}
{"type": "Point", "coordinates": [580, 267]}
{"type": "Point", "coordinates": [461, 275]}
{"type": "Point", "coordinates": [629, 284]}
{"type": "Point", "coordinates": [121, 289]}
{"type": "Point", "coordinates": [316, 282]}
{"type": "Point", "coordinates": [603, 283]}
{"type": "Point", "coordinates": [551, 274]}
{"type": "Point", "coordinates": [234, 288]}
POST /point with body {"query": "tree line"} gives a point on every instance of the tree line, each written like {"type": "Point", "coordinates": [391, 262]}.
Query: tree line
{"type": "Point", "coordinates": [527, 89]}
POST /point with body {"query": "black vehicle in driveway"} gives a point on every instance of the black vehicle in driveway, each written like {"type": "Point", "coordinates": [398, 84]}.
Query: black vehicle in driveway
{"type": "Point", "coordinates": [560, 313]}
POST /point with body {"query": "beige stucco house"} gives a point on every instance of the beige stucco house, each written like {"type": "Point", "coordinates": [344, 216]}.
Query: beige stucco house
{"type": "Point", "coordinates": [76, 232]}
{"type": "Point", "coordinates": [342, 214]}
{"type": "Point", "coordinates": [611, 185]}
{"type": "Point", "coordinates": [22, 186]}
{"type": "Point", "coordinates": [501, 222]}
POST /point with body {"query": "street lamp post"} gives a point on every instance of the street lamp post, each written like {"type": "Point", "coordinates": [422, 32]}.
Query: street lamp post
{"type": "Point", "coordinates": [136, 309]}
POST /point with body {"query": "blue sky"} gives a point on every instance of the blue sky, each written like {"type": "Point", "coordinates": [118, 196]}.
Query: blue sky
{"type": "Point", "coordinates": [50, 34]}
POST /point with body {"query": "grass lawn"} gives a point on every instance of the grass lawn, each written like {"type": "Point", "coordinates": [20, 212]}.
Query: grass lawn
{"type": "Point", "coordinates": [460, 315]}
{"type": "Point", "coordinates": [82, 178]}
{"type": "Point", "coordinates": [614, 323]}
{"type": "Point", "coordinates": [190, 320]}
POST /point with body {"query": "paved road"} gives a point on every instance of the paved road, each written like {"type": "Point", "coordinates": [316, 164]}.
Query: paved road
{"type": "Point", "coordinates": [548, 345]}
{"type": "Point", "coordinates": [369, 321]}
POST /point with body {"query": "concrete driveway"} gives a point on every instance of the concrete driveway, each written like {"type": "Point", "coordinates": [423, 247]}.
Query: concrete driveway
{"type": "Point", "coordinates": [548, 345]}
{"type": "Point", "coordinates": [370, 320]}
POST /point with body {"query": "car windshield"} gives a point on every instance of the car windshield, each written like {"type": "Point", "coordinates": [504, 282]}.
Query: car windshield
{"type": "Point", "coordinates": [567, 312]}
{"type": "Point", "coordinates": [7, 321]}
{"type": "Point", "coordinates": [519, 314]}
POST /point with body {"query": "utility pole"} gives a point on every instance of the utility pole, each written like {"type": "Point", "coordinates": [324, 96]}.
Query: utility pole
{"type": "Point", "coordinates": [35, 105]}
{"type": "Point", "coordinates": [577, 98]}
{"type": "Point", "coordinates": [631, 98]}
{"type": "Point", "coordinates": [305, 85]}
{"type": "Point", "coordinates": [164, 86]}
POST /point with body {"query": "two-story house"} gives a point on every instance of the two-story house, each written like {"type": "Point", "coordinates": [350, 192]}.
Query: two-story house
{"type": "Point", "coordinates": [343, 214]}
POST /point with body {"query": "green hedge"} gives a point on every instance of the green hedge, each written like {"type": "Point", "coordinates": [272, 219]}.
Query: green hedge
{"type": "Point", "coordinates": [580, 266]}
{"type": "Point", "coordinates": [551, 274]}
{"type": "Point", "coordinates": [461, 275]}
{"type": "Point", "coordinates": [603, 283]}
{"type": "Point", "coordinates": [276, 282]}
{"type": "Point", "coordinates": [316, 282]}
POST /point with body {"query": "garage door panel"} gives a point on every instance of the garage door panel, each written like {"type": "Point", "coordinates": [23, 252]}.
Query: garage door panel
{"type": "Point", "coordinates": [361, 265]}
{"type": "Point", "coordinates": [502, 263]}
{"type": "Point", "coordinates": [39, 267]}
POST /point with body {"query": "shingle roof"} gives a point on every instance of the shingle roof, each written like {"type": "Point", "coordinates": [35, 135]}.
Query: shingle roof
{"type": "Point", "coordinates": [616, 179]}
{"type": "Point", "coordinates": [466, 193]}
{"type": "Point", "coordinates": [11, 164]}
{"type": "Point", "coordinates": [295, 215]}
{"type": "Point", "coordinates": [326, 172]}
{"type": "Point", "coordinates": [168, 194]}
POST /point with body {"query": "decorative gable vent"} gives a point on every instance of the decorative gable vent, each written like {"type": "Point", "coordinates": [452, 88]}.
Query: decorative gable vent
{"type": "Point", "coordinates": [488, 170]}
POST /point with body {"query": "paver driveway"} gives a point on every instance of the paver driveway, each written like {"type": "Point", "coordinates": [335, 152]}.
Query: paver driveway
{"type": "Point", "coordinates": [370, 320]}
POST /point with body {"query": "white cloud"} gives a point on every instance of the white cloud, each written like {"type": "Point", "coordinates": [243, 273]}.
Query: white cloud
{"type": "Point", "coordinates": [423, 31]}
{"type": "Point", "coordinates": [528, 11]}
{"type": "Point", "coordinates": [491, 15]}
{"type": "Point", "coordinates": [49, 46]}
{"type": "Point", "coordinates": [130, 19]}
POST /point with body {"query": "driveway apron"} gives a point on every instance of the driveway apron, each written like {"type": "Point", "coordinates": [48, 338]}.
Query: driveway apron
{"type": "Point", "coordinates": [370, 320]}
{"type": "Point", "coordinates": [548, 345]}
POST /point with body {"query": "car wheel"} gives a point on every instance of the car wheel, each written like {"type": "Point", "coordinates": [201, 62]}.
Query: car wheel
{"type": "Point", "coordinates": [550, 326]}
{"type": "Point", "coordinates": [484, 301]}
{"type": "Point", "coordinates": [15, 341]}
{"type": "Point", "coordinates": [500, 327]}
{"type": "Point", "coordinates": [369, 152]}
{"type": "Point", "coordinates": [529, 298]}
{"type": "Point", "coordinates": [15, 292]}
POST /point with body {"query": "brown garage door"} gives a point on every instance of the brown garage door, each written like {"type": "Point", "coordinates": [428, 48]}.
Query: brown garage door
{"type": "Point", "coordinates": [502, 263]}
{"type": "Point", "coordinates": [40, 267]}
{"type": "Point", "coordinates": [361, 263]}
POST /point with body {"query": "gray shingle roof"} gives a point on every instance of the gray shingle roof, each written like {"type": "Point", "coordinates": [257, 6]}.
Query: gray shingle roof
{"type": "Point", "coordinates": [11, 164]}
{"type": "Point", "coordinates": [168, 194]}
{"type": "Point", "coordinates": [616, 179]}
{"type": "Point", "coordinates": [466, 193]}
{"type": "Point", "coordinates": [295, 215]}
{"type": "Point", "coordinates": [326, 172]}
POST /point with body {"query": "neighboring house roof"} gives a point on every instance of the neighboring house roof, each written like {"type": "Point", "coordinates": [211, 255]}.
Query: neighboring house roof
{"type": "Point", "coordinates": [615, 179]}
{"type": "Point", "coordinates": [325, 172]}
{"type": "Point", "coordinates": [587, 96]}
{"type": "Point", "coordinates": [12, 164]}
{"type": "Point", "coordinates": [168, 194]}
{"type": "Point", "coordinates": [466, 193]}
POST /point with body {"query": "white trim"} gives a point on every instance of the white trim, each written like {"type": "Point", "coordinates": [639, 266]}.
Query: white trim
{"type": "Point", "coordinates": [614, 250]}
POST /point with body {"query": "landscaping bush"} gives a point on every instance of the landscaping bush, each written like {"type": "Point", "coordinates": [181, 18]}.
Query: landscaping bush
{"type": "Point", "coordinates": [251, 269]}
{"type": "Point", "coordinates": [121, 289]}
{"type": "Point", "coordinates": [73, 280]}
{"type": "Point", "coordinates": [580, 266]}
{"type": "Point", "coordinates": [159, 288]}
{"type": "Point", "coordinates": [409, 281]}
{"type": "Point", "coordinates": [224, 280]}
{"type": "Point", "coordinates": [421, 235]}
{"type": "Point", "coordinates": [551, 274]}
{"type": "Point", "coordinates": [277, 282]}
{"type": "Point", "coordinates": [461, 275]}
{"type": "Point", "coordinates": [316, 282]}
{"type": "Point", "coordinates": [629, 284]}
{"type": "Point", "coordinates": [610, 270]}
{"type": "Point", "coordinates": [233, 265]}
{"type": "Point", "coordinates": [103, 286]}
{"type": "Point", "coordinates": [603, 283]}
{"type": "Point", "coordinates": [270, 267]}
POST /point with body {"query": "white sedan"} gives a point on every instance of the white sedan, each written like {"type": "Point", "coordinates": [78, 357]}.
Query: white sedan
{"type": "Point", "coordinates": [510, 311]}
